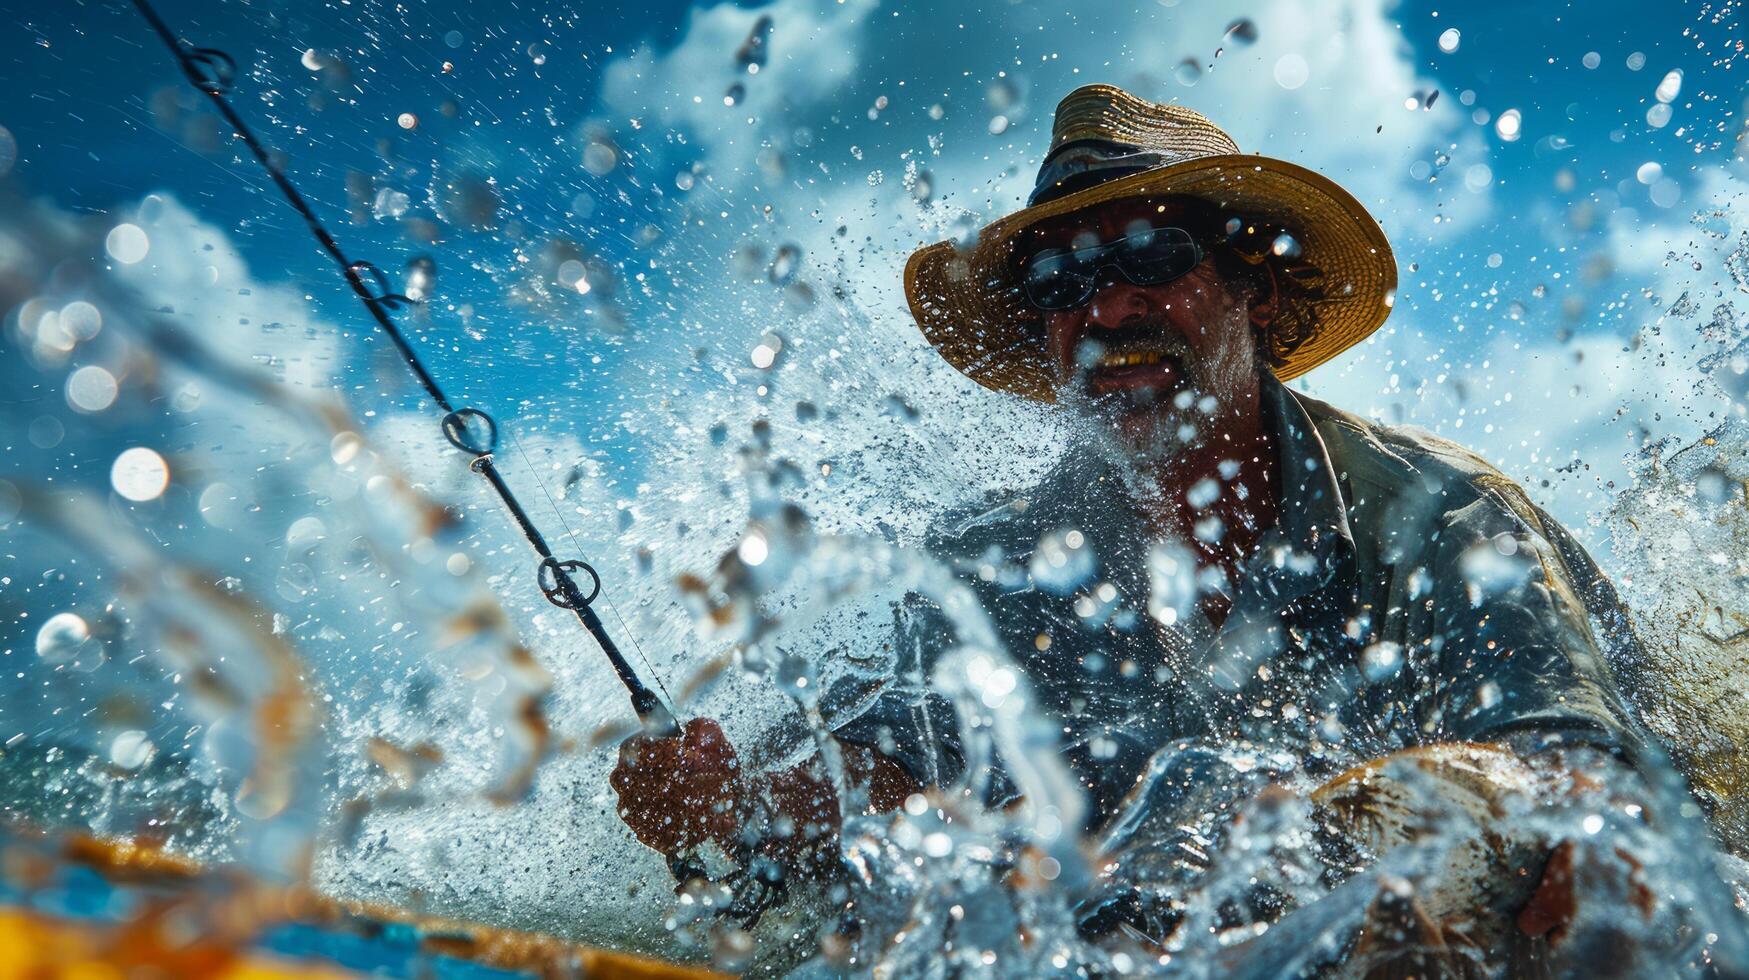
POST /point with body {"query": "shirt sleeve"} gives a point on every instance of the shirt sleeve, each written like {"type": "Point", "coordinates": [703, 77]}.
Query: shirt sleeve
{"type": "Point", "coordinates": [911, 723]}
{"type": "Point", "coordinates": [907, 721]}
{"type": "Point", "coordinates": [1515, 656]}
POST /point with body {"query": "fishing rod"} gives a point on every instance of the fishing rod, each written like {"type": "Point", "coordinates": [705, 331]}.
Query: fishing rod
{"type": "Point", "coordinates": [470, 430]}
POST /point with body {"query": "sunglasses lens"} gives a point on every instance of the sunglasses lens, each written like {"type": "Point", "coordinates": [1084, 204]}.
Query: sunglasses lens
{"type": "Point", "coordinates": [1056, 279]}
{"type": "Point", "coordinates": [1156, 256]}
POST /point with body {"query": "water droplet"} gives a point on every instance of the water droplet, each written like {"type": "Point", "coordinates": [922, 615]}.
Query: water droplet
{"type": "Point", "coordinates": [62, 637]}
{"type": "Point", "coordinates": [296, 582]}
{"type": "Point", "coordinates": [8, 151]}
{"type": "Point", "coordinates": [1381, 661]}
{"type": "Point", "coordinates": [131, 749]}
{"type": "Point", "coordinates": [1002, 95]}
{"type": "Point", "coordinates": [754, 549]}
{"type": "Point", "coordinates": [1062, 562]}
{"type": "Point", "coordinates": [1330, 729]}
{"type": "Point", "coordinates": [1449, 40]}
{"type": "Point", "coordinates": [139, 474]}
{"type": "Point", "coordinates": [305, 534]}
{"type": "Point", "coordinates": [81, 319]}
{"type": "Point", "coordinates": [127, 243]}
{"type": "Point", "coordinates": [784, 265]}
{"type": "Point", "coordinates": [1171, 583]}
{"type": "Point", "coordinates": [922, 186]}
{"type": "Point", "coordinates": [1241, 31]}
{"type": "Point", "coordinates": [91, 389]}
{"type": "Point", "coordinates": [766, 351]}
{"type": "Point", "coordinates": [600, 157]}
{"type": "Point", "coordinates": [1188, 72]}
{"type": "Point", "coordinates": [1291, 71]}
{"type": "Point", "coordinates": [1670, 87]}
{"type": "Point", "coordinates": [796, 677]}
{"type": "Point", "coordinates": [1509, 126]}
{"type": "Point", "coordinates": [1713, 485]}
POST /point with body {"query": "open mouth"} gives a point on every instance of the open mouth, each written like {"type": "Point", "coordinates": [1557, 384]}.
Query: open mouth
{"type": "Point", "coordinates": [1138, 371]}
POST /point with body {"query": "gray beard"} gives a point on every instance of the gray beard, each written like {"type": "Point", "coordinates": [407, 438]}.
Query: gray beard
{"type": "Point", "coordinates": [1138, 464]}
{"type": "Point", "coordinates": [1178, 422]}
{"type": "Point", "coordinates": [1174, 424]}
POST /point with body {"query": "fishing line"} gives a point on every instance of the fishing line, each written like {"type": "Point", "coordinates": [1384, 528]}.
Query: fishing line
{"type": "Point", "coordinates": [560, 514]}
{"type": "Point", "coordinates": [471, 430]}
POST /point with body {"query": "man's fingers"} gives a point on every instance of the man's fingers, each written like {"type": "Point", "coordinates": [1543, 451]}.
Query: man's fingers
{"type": "Point", "coordinates": [705, 735]}
{"type": "Point", "coordinates": [1552, 907]}
{"type": "Point", "coordinates": [670, 787]}
{"type": "Point", "coordinates": [644, 761]}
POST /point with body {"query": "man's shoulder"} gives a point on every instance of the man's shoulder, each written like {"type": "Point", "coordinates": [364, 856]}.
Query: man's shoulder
{"type": "Point", "coordinates": [1401, 459]}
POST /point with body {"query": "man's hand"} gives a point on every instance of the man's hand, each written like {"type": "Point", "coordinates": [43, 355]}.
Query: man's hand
{"type": "Point", "coordinates": [679, 791]}
{"type": "Point", "coordinates": [1606, 877]}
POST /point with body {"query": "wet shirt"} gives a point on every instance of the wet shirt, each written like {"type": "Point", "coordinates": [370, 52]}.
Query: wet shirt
{"type": "Point", "coordinates": [1409, 595]}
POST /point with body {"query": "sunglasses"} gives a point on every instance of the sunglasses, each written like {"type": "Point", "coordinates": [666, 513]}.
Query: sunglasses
{"type": "Point", "coordinates": [1064, 278]}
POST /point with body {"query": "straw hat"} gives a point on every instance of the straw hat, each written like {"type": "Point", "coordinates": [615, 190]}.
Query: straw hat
{"type": "Point", "coordinates": [1333, 268]}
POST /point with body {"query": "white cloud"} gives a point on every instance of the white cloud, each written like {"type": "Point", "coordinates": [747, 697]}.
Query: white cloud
{"type": "Point", "coordinates": [806, 59]}
{"type": "Point", "coordinates": [194, 275]}
{"type": "Point", "coordinates": [1534, 402]}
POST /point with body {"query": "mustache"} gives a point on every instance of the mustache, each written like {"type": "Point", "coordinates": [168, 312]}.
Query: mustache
{"type": "Point", "coordinates": [1137, 331]}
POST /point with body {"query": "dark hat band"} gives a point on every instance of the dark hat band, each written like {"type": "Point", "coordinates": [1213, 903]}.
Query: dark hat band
{"type": "Point", "coordinates": [1085, 163]}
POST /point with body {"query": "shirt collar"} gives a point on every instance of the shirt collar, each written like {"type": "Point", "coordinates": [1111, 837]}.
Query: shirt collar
{"type": "Point", "coordinates": [1310, 545]}
{"type": "Point", "coordinates": [1314, 518]}
{"type": "Point", "coordinates": [1310, 548]}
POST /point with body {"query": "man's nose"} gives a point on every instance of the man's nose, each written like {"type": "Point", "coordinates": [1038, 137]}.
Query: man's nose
{"type": "Point", "coordinates": [1115, 303]}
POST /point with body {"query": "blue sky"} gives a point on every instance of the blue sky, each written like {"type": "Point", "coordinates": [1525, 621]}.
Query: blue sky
{"type": "Point", "coordinates": [640, 155]}
{"type": "Point", "coordinates": [106, 122]}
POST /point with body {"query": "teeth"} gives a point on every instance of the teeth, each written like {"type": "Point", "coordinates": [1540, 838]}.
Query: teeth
{"type": "Point", "coordinates": [1130, 359]}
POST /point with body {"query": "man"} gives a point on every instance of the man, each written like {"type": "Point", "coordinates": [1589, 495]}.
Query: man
{"type": "Point", "coordinates": [1240, 564]}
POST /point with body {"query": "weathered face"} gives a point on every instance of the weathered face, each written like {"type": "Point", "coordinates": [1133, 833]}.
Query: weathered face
{"type": "Point", "coordinates": [1162, 365]}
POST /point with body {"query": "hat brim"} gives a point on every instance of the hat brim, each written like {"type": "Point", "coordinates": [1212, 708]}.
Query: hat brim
{"type": "Point", "coordinates": [968, 306]}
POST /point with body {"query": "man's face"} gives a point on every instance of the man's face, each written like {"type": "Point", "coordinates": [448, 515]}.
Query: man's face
{"type": "Point", "coordinates": [1164, 366]}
